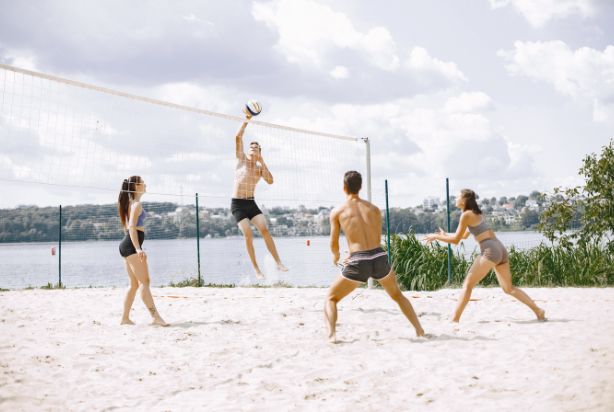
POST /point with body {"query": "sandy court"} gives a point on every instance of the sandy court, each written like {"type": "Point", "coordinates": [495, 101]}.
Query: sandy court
{"type": "Point", "coordinates": [265, 349]}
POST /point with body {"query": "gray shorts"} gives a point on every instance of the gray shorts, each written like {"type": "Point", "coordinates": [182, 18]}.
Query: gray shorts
{"type": "Point", "coordinates": [367, 264]}
{"type": "Point", "coordinates": [493, 250]}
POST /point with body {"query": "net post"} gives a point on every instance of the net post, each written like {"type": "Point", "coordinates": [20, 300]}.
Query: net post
{"type": "Point", "coordinates": [448, 217]}
{"type": "Point", "coordinates": [198, 240]}
{"type": "Point", "coordinates": [387, 223]}
{"type": "Point", "coordinates": [60, 250]}
{"type": "Point", "coordinates": [368, 159]}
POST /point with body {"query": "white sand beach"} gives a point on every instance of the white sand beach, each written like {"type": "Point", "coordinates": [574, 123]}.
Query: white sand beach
{"type": "Point", "coordinates": [265, 349]}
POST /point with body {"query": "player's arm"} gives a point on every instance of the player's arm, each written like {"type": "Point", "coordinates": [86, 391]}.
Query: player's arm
{"type": "Point", "coordinates": [378, 221]}
{"type": "Point", "coordinates": [264, 171]}
{"type": "Point", "coordinates": [453, 238]}
{"type": "Point", "coordinates": [239, 138]}
{"type": "Point", "coordinates": [335, 229]}
{"type": "Point", "coordinates": [135, 212]}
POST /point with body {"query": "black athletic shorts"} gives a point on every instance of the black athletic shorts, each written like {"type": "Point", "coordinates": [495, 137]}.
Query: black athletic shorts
{"type": "Point", "coordinates": [244, 209]}
{"type": "Point", "coordinates": [126, 248]}
{"type": "Point", "coordinates": [367, 264]}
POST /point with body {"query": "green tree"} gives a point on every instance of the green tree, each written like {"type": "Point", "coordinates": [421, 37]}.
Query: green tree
{"type": "Point", "coordinates": [589, 207]}
{"type": "Point", "coordinates": [529, 218]}
{"type": "Point", "coordinates": [520, 202]}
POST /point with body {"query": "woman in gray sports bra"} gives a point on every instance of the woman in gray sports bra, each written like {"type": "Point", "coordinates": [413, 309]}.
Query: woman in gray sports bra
{"type": "Point", "coordinates": [493, 254]}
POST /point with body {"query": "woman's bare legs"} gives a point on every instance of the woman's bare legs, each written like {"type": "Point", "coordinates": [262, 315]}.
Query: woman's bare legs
{"type": "Point", "coordinates": [141, 272]}
{"type": "Point", "coordinates": [478, 271]}
{"type": "Point", "coordinates": [504, 276]}
{"type": "Point", "coordinates": [134, 286]}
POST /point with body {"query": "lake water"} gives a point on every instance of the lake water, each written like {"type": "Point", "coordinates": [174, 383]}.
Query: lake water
{"type": "Point", "coordinates": [223, 261]}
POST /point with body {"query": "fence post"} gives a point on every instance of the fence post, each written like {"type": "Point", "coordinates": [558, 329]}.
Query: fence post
{"type": "Point", "coordinates": [60, 250]}
{"type": "Point", "coordinates": [449, 246]}
{"type": "Point", "coordinates": [198, 239]}
{"type": "Point", "coordinates": [387, 222]}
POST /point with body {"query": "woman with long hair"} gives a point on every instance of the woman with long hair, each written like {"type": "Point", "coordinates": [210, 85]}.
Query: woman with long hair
{"type": "Point", "coordinates": [132, 217]}
{"type": "Point", "coordinates": [493, 254]}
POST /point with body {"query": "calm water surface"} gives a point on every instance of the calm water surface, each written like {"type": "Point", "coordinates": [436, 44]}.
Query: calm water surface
{"type": "Point", "coordinates": [222, 261]}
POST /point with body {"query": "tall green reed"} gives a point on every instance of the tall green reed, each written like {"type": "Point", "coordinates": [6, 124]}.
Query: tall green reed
{"type": "Point", "coordinates": [425, 267]}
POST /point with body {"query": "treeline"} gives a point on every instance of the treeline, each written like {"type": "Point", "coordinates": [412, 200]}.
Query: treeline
{"type": "Point", "coordinates": [166, 220]}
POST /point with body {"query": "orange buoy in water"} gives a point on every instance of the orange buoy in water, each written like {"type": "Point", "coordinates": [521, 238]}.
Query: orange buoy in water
{"type": "Point", "coordinates": [308, 242]}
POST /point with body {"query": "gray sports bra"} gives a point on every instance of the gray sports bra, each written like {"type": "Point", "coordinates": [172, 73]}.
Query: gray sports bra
{"type": "Point", "coordinates": [479, 228]}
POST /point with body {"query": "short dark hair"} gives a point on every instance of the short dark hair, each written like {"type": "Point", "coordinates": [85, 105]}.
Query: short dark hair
{"type": "Point", "coordinates": [255, 142]}
{"type": "Point", "coordinates": [352, 181]}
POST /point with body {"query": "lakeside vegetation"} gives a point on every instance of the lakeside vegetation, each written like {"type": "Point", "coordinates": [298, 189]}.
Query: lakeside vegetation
{"type": "Point", "coordinates": [166, 220]}
{"type": "Point", "coordinates": [425, 267]}
{"type": "Point", "coordinates": [578, 223]}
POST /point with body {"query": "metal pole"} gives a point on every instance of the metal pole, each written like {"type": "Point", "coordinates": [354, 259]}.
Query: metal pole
{"type": "Point", "coordinates": [387, 222]}
{"type": "Point", "coordinates": [60, 250]}
{"type": "Point", "coordinates": [368, 144]}
{"type": "Point", "coordinates": [449, 246]}
{"type": "Point", "coordinates": [198, 239]}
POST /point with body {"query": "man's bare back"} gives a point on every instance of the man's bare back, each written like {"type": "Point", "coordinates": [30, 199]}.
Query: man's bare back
{"type": "Point", "coordinates": [361, 222]}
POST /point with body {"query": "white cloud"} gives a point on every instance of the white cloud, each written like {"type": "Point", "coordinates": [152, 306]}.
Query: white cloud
{"type": "Point", "coordinates": [420, 62]}
{"type": "Point", "coordinates": [308, 31]}
{"type": "Point", "coordinates": [468, 102]}
{"type": "Point", "coordinates": [540, 12]}
{"type": "Point", "coordinates": [316, 36]}
{"type": "Point", "coordinates": [584, 73]}
{"type": "Point", "coordinates": [23, 58]}
{"type": "Point", "coordinates": [339, 72]}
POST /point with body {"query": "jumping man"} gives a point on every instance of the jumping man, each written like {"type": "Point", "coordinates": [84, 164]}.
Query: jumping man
{"type": "Point", "coordinates": [250, 168]}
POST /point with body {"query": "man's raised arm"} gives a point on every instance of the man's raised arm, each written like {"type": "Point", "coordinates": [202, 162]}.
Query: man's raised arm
{"type": "Point", "coordinates": [239, 138]}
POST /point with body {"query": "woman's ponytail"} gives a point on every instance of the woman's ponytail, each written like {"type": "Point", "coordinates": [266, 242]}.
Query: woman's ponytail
{"type": "Point", "coordinates": [471, 202]}
{"type": "Point", "coordinates": [126, 194]}
{"type": "Point", "coordinates": [123, 202]}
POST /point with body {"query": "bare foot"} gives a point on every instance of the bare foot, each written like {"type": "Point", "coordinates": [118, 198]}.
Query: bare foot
{"type": "Point", "coordinates": [281, 267]}
{"type": "Point", "coordinates": [332, 337]}
{"type": "Point", "coordinates": [159, 322]}
{"type": "Point", "coordinates": [126, 322]}
{"type": "Point", "coordinates": [259, 274]}
{"type": "Point", "coordinates": [420, 332]}
{"type": "Point", "coordinates": [541, 315]}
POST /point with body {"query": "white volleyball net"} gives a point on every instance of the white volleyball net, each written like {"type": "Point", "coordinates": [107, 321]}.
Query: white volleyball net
{"type": "Point", "coordinates": [70, 143]}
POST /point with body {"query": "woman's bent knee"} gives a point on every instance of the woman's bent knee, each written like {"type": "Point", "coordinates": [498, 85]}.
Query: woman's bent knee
{"type": "Point", "coordinates": [332, 298]}
{"type": "Point", "coordinates": [508, 289]}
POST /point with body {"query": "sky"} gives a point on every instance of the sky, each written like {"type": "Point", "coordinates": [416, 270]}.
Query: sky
{"type": "Point", "coordinates": [502, 96]}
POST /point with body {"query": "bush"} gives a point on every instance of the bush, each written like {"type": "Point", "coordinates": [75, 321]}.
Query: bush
{"type": "Point", "coordinates": [425, 267]}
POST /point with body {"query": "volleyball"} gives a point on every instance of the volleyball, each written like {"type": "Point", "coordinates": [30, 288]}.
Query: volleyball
{"type": "Point", "coordinates": [253, 107]}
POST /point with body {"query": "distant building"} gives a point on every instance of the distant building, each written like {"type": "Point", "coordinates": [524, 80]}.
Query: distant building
{"type": "Point", "coordinates": [532, 204]}
{"type": "Point", "coordinates": [430, 203]}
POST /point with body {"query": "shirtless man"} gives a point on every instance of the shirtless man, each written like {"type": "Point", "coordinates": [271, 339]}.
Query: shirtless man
{"type": "Point", "coordinates": [361, 222]}
{"type": "Point", "coordinates": [250, 168]}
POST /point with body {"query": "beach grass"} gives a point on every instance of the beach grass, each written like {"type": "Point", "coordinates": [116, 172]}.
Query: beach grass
{"type": "Point", "coordinates": [425, 267]}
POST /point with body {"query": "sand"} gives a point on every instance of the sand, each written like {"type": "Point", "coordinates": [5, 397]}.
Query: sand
{"type": "Point", "coordinates": [265, 349]}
